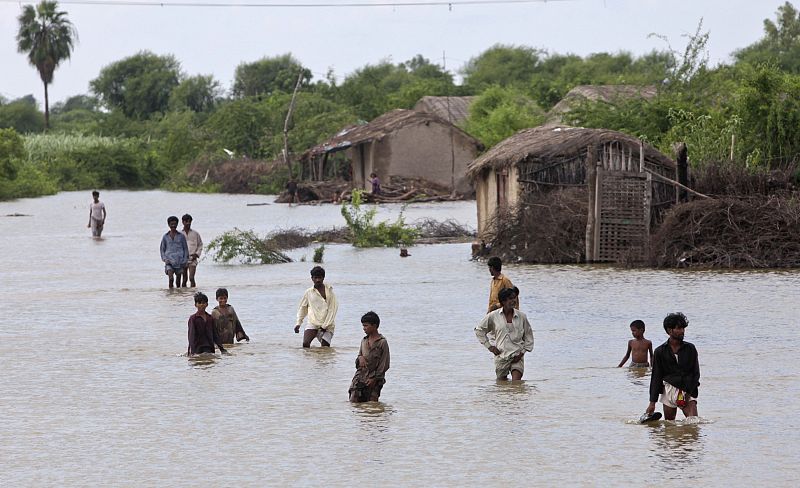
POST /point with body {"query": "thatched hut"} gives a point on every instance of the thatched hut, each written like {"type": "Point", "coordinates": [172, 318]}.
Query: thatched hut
{"type": "Point", "coordinates": [403, 143]}
{"type": "Point", "coordinates": [623, 176]}
{"type": "Point", "coordinates": [611, 94]}
{"type": "Point", "coordinates": [453, 109]}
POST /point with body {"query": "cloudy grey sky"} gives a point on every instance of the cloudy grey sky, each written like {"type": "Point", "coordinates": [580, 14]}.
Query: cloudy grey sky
{"type": "Point", "coordinates": [214, 40]}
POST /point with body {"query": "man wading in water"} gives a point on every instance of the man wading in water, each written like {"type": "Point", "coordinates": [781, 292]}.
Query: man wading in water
{"type": "Point", "coordinates": [319, 303]}
{"type": "Point", "coordinates": [513, 334]}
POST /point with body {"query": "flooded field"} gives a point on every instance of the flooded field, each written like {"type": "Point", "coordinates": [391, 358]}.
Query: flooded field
{"type": "Point", "coordinates": [96, 391]}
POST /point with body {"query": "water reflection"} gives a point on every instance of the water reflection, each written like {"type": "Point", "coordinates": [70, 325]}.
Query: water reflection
{"type": "Point", "coordinates": [322, 357]}
{"type": "Point", "coordinates": [204, 360]}
{"type": "Point", "coordinates": [677, 445]}
{"type": "Point", "coordinates": [639, 376]}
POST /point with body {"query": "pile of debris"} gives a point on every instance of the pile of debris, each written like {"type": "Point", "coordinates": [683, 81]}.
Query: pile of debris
{"type": "Point", "coordinates": [545, 227]}
{"type": "Point", "coordinates": [396, 189]}
{"type": "Point", "coordinates": [755, 232]}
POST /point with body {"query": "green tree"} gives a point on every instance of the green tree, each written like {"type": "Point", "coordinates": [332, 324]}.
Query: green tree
{"type": "Point", "coordinates": [77, 102]}
{"type": "Point", "coordinates": [12, 151]}
{"type": "Point", "coordinates": [502, 66]}
{"type": "Point", "coordinates": [22, 116]}
{"type": "Point", "coordinates": [139, 85]}
{"type": "Point", "coordinates": [239, 126]}
{"type": "Point", "coordinates": [269, 75]}
{"type": "Point", "coordinates": [500, 112]}
{"type": "Point", "coordinates": [780, 44]}
{"type": "Point", "coordinates": [47, 36]}
{"type": "Point", "coordinates": [196, 93]}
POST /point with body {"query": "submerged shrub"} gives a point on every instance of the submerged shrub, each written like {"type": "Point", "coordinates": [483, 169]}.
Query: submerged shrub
{"type": "Point", "coordinates": [246, 247]}
{"type": "Point", "coordinates": [366, 233]}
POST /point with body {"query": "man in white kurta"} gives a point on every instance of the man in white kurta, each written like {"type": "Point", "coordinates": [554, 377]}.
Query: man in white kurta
{"type": "Point", "coordinates": [320, 305]}
{"type": "Point", "coordinates": [513, 335]}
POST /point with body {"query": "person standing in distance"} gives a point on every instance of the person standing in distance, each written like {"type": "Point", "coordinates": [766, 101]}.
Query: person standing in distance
{"type": "Point", "coordinates": [195, 245]}
{"type": "Point", "coordinates": [97, 215]}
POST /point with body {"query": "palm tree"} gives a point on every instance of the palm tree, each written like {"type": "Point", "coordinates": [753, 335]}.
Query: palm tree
{"type": "Point", "coordinates": [47, 36]}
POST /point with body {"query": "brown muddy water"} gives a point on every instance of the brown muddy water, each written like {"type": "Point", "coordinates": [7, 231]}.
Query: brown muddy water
{"type": "Point", "coordinates": [96, 392]}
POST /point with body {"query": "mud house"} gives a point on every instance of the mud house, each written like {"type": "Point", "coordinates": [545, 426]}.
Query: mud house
{"type": "Point", "coordinates": [402, 143]}
{"type": "Point", "coordinates": [625, 180]}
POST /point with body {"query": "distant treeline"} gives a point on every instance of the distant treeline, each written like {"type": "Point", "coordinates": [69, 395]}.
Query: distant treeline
{"type": "Point", "coordinates": [146, 121]}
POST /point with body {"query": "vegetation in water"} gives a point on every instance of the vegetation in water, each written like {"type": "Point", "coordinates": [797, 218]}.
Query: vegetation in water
{"type": "Point", "coordinates": [366, 233]}
{"type": "Point", "coordinates": [246, 247]}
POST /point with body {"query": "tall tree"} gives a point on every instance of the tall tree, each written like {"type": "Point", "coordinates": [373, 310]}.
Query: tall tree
{"type": "Point", "coordinates": [48, 37]}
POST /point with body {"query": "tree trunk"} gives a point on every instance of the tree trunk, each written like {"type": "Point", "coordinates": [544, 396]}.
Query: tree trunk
{"type": "Point", "coordinates": [46, 109]}
{"type": "Point", "coordinates": [286, 126]}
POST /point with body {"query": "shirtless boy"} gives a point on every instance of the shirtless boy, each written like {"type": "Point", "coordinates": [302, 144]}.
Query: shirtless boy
{"type": "Point", "coordinates": [638, 347]}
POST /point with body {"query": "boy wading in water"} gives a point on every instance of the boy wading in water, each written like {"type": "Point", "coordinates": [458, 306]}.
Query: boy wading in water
{"type": "Point", "coordinates": [319, 303]}
{"type": "Point", "coordinates": [202, 336]}
{"type": "Point", "coordinates": [226, 322]}
{"type": "Point", "coordinates": [513, 335]}
{"type": "Point", "coordinates": [371, 364]}
{"type": "Point", "coordinates": [676, 371]}
{"type": "Point", "coordinates": [638, 347]}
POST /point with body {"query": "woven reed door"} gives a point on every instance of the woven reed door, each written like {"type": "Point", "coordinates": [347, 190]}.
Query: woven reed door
{"type": "Point", "coordinates": [623, 215]}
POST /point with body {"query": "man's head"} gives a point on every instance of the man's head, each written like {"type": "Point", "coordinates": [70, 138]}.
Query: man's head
{"type": "Point", "coordinates": [495, 265]}
{"type": "Point", "coordinates": [675, 324]}
{"type": "Point", "coordinates": [172, 222]}
{"type": "Point", "coordinates": [637, 328]}
{"type": "Point", "coordinates": [187, 220]}
{"type": "Point", "coordinates": [507, 298]}
{"type": "Point", "coordinates": [317, 275]}
{"type": "Point", "coordinates": [96, 195]}
{"type": "Point", "coordinates": [369, 321]}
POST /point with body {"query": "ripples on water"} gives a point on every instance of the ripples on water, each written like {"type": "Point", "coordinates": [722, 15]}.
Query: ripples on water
{"type": "Point", "coordinates": [96, 391]}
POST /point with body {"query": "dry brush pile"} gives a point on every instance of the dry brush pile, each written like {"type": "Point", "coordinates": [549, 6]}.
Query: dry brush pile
{"type": "Point", "coordinates": [545, 227]}
{"type": "Point", "coordinates": [730, 232]}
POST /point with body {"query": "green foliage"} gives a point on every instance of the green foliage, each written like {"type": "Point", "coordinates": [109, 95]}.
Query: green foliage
{"type": "Point", "coordinates": [196, 93]}
{"type": "Point", "coordinates": [499, 113]}
{"type": "Point", "coordinates": [708, 137]}
{"type": "Point", "coordinates": [246, 247]}
{"type": "Point", "coordinates": [47, 36]}
{"type": "Point", "coordinates": [781, 42]}
{"type": "Point", "coordinates": [269, 75]}
{"type": "Point", "coordinates": [239, 126]}
{"type": "Point", "coordinates": [376, 89]}
{"type": "Point", "coordinates": [318, 253]}
{"type": "Point", "coordinates": [21, 116]}
{"type": "Point", "coordinates": [76, 102]}
{"type": "Point", "coordinates": [12, 152]}
{"type": "Point", "coordinates": [768, 103]}
{"type": "Point", "coordinates": [501, 65]}
{"type": "Point", "coordinates": [140, 85]}
{"type": "Point", "coordinates": [366, 233]}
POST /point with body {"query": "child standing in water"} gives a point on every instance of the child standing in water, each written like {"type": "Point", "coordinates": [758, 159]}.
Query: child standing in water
{"type": "Point", "coordinates": [226, 322]}
{"type": "Point", "coordinates": [638, 347]}
{"type": "Point", "coordinates": [202, 336]}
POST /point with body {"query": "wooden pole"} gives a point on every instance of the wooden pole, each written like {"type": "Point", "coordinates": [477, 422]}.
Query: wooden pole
{"type": "Point", "coordinates": [598, 203]}
{"type": "Point", "coordinates": [683, 172]}
{"type": "Point", "coordinates": [641, 156]}
{"type": "Point", "coordinates": [591, 180]}
{"type": "Point", "coordinates": [286, 125]}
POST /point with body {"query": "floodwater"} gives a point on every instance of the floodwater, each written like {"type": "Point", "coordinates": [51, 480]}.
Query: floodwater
{"type": "Point", "coordinates": [96, 391]}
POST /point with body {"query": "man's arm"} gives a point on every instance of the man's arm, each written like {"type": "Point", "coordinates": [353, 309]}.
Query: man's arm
{"type": "Point", "coordinates": [695, 375]}
{"type": "Point", "coordinates": [104, 213]}
{"type": "Point", "coordinates": [486, 325]}
{"type": "Point", "coordinates": [656, 379]}
{"type": "Point", "coordinates": [302, 311]}
{"type": "Point", "coordinates": [163, 248]}
{"type": "Point", "coordinates": [185, 247]}
{"type": "Point", "coordinates": [191, 336]}
{"type": "Point", "coordinates": [383, 362]}
{"type": "Point", "coordinates": [527, 334]}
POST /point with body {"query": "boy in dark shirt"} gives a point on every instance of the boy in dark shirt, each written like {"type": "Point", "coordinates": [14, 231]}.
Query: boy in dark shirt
{"type": "Point", "coordinates": [202, 335]}
{"type": "Point", "coordinates": [676, 371]}
{"type": "Point", "coordinates": [638, 347]}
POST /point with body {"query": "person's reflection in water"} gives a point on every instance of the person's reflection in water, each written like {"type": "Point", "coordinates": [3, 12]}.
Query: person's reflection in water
{"type": "Point", "coordinates": [677, 446]}
{"type": "Point", "coordinates": [203, 361]}
{"type": "Point", "coordinates": [639, 376]}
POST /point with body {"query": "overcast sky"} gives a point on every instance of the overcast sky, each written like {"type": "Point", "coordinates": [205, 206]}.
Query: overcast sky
{"type": "Point", "coordinates": [214, 40]}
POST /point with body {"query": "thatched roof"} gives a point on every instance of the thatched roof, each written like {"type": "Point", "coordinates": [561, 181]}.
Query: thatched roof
{"type": "Point", "coordinates": [458, 107]}
{"type": "Point", "coordinates": [549, 143]}
{"type": "Point", "coordinates": [378, 129]}
{"type": "Point", "coordinates": [600, 93]}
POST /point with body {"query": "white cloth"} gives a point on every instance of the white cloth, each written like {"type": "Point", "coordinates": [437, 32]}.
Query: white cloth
{"type": "Point", "coordinates": [511, 338]}
{"type": "Point", "coordinates": [670, 396]}
{"type": "Point", "coordinates": [193, 242]}
{"type": "Point", "coordinates": [321, 312]}
{"type": "Point", "coordinates": [97, 210]}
